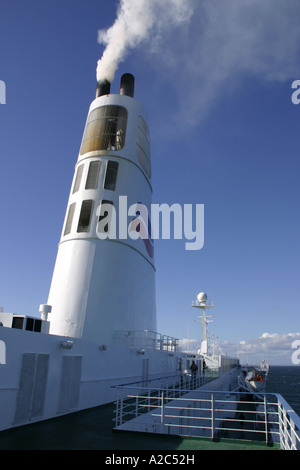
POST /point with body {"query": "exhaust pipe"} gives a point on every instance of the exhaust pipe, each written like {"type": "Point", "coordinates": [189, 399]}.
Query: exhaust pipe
{"type": "Point", "coordinates": [103, 88]}
{"type": "Point", "coordinates": [127, 85]}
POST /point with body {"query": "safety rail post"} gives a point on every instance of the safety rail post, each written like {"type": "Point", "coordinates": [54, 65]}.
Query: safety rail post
{"type": "Point", "coordinates": [293, 435]}
{"type": "Point", "coordinates": [266, 418]}
{"type": "Point", "coordinates": [117, 412]}
{"type": "Point", "coordinates": [212, 415]}
{"type": "Point", "coordinates": [285, 429]}
{"type": "Point", "coordinates": [162, 407]}
{"type": "Point", "coordinates": [121, 410]}
{"type": "Point", "coordinates": [281, 425]}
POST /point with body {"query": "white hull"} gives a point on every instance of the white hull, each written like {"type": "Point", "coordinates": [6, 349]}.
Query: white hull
{"type": "Point", "coordinates": [44, 377]}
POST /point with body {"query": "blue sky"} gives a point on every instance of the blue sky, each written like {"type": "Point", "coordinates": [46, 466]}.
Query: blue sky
{"type": "Point", "coordinates": [224, 133]}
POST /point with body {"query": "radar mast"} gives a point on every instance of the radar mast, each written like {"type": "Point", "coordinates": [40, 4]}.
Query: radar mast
{"type": "Point", "coordinates": [203, 318]}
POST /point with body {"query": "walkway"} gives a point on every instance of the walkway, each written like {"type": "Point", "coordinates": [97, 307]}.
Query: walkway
{"type": "Point", "coordinates": [93, 430]}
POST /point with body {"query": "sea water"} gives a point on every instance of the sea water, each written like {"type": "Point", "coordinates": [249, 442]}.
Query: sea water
{"type": "Point", "coordinates": [286, 381]}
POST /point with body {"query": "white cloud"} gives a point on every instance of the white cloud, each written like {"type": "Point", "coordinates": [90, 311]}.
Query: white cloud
{"type": "Point", "coordinates": [275, 348]}
{"type": "Point", "coordinates": [191, 345]}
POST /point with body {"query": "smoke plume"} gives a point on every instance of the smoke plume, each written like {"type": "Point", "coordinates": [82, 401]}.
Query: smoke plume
{"type": "Point", "coordinates": [136, 21]}
{"type": "Point", "coordinates": [210, 45]}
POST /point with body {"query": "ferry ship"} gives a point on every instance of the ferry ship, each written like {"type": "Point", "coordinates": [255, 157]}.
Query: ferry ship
{"type": "Point", "coordinates": [96, 339]}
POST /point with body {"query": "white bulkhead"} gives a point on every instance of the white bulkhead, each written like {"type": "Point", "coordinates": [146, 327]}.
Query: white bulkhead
{"type": "Point", "coordinates": [104, 283]}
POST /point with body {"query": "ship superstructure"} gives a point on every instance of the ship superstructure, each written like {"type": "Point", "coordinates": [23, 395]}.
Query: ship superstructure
{"type": "Point", "coordinates": [97, 330]}
{"type": "Point", "coordinates": [98, 327]}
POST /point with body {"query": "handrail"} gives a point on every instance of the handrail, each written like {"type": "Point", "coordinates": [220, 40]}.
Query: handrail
{"type": "Point", "coordinates": [209, 413]}
{"type": "Point", "coordinates": [147, 338]}
{"type": "Point", "coordinates": [181, 378]}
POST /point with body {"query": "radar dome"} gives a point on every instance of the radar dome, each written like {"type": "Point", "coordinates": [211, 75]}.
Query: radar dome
{"type": "Point", "coordinates": [202, 297]}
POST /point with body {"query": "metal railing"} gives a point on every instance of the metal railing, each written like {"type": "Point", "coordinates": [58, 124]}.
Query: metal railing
{"type": "Point", "coordinates": [210, 414]}
{"type": "Point", "coordinates": [146, 339]}
{"type": "Point", "coordinates": [289, 426]}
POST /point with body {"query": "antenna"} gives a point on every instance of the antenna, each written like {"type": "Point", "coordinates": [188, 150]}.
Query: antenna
{"type": "Point", "coordinates": [203, 318]}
